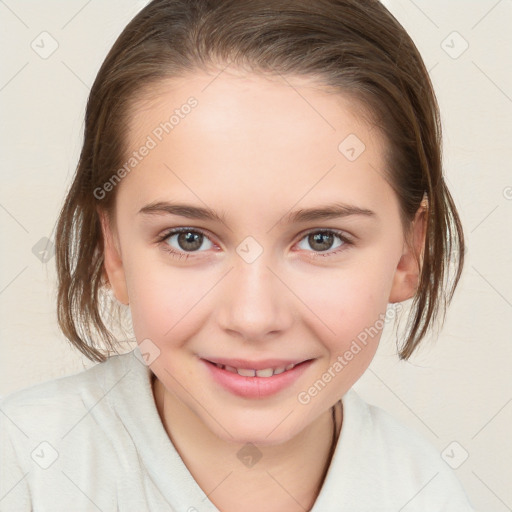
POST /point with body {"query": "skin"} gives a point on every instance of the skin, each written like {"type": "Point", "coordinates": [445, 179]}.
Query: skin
{"type": "Point", "coordinates": [255, 149]}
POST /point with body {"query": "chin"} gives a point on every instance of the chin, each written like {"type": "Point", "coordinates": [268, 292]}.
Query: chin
{"type": "Point", "coordinates": [268, 433]}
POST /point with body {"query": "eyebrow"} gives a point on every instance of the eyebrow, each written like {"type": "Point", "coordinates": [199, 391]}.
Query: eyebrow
{"type": "Point", "coordinates": [330, 211]}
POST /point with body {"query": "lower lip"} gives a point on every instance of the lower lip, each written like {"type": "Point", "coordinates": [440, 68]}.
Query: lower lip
{"type": "Point", "coordinates": [255, 387]}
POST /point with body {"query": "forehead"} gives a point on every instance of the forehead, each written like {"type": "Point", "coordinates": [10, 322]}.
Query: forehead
{"type": "Point", "coordinates": [250, 140]}
{"type": "Point", "coordinates": [295, 104]}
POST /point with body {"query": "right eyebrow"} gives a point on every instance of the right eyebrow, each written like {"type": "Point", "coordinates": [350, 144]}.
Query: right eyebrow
{"type": "Point", "coordinates": [183, 210]}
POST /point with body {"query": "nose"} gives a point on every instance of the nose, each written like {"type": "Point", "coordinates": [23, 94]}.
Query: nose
{"type": "Point", "coordinates": [255, 303]}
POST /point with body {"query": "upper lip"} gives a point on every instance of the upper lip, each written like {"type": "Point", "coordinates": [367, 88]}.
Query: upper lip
{"type": "Point", "coordinates": [255, 365]}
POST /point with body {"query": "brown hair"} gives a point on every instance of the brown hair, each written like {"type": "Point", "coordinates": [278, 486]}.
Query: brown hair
{"type": "Point", "coordinates": [354, 46]}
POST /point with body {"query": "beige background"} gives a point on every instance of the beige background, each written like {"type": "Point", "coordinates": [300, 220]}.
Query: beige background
{"type": "Point", "coordinates": [457, 389]}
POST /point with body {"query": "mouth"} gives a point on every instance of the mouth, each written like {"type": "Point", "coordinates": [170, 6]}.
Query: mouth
{"type": "Point", "coordinates": [256, 379]}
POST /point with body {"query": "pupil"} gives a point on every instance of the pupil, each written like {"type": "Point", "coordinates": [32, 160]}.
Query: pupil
{"type": "Point", "coordinates": [195, 239]}
{"type": "Point", "coordinates": [324, 241]}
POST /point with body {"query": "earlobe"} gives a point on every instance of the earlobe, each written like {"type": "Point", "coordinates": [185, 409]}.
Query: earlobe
{"type": "Point", "coordinates": [113, 264]}
{"type": "Point", "coordinates": [408, 270]}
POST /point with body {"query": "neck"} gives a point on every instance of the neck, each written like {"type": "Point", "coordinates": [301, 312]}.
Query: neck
{"type": "Point", "coordinates": [288, 476]}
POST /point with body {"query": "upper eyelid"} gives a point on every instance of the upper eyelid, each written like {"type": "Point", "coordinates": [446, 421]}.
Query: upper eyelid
{"type": "Point", "coordinates": [176, 231]}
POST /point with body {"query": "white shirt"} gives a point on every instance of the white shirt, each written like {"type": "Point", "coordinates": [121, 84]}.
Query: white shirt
{"type": "Point", "coordinates": [94, 441]}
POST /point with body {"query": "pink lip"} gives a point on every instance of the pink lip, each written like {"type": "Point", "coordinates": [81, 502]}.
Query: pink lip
{"type": "Point", "coordinates": [255, 387]}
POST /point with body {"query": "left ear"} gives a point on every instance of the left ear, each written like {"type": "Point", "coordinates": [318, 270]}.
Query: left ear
{"type": "Point", "coordinates": [407, 274]}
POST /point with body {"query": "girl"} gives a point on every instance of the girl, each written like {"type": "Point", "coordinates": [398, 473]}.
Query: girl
{"type": "Point", "coordinates": [261, 184]}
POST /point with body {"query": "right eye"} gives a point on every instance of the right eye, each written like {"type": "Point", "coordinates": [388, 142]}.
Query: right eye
{"type": "Point", "coordinates": [183, 241]}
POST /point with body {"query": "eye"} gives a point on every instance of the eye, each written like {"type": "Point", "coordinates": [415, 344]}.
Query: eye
{"type": "Point", "coordinates": [322, 241]}
{"type": "Point", "coordinates": [183, 242]}
{"type": "Point", "coordinates": [180, 241]}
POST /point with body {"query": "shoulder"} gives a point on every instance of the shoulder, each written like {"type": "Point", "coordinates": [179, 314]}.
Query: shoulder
{"type": "Point", "coordinates": [394, 436]}
{"type": "Point", "coordinates": [385, 433]}
{"type": "Point", "coordinates": [62, 427]}
{"type": "Point", "coordinates": [45, 405]}
{"type": "Point", "coordinates": [63, 388]}
{"type": "Point", "coordinates": [401, 465]}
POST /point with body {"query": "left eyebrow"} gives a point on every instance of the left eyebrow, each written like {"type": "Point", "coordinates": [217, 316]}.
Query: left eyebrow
{"type": "Point", "coordinates": [331, 211]}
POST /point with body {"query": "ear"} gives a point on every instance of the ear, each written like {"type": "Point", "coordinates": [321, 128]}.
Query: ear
{"type": "Point", "coordinates": [113, 264]}
{"type": "Point", "coordinates": [407, 274]}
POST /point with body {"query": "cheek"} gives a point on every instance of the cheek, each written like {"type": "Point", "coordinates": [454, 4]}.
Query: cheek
{"type": "Point", "coordinates": [165, 302]}
{"type": "Point", "coordinates": [349, 306]}
{"type": "Point", "coordinates": [347, 298]}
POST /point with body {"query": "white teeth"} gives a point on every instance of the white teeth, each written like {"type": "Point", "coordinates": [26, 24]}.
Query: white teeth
{"type": "Point", "coordinates": [246, 373]}
{"type": "Point", "coordinates": [267, 372]}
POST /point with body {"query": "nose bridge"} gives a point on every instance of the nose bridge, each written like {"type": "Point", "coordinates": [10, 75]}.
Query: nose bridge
{"type": "Point", "coordinates": [255, 302]}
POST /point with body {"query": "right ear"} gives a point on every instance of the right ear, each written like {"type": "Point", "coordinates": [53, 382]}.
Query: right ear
{"type": "Point", "coordinates": [113, 263]}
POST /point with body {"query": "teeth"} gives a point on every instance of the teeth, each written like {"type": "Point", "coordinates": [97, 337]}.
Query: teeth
{"type": "Point", "coordinates": [266, 372]}
{"type": "Point", "coordinates": [246, 373]}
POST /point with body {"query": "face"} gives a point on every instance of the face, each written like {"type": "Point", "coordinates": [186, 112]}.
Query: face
{"type": "Point", "coordinates": [256, 232]}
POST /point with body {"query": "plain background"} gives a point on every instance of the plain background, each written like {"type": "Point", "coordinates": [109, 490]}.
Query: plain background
{"type": "Point", "coordinates": [457, 390]}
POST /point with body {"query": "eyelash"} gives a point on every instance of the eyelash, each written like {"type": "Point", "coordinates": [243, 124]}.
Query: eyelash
{"type": "Point", "coordinates": [175, 254]}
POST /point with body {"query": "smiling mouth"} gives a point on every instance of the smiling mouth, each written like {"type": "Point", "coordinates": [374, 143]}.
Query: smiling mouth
{"type": "Point", "coordinates": [263, 373]}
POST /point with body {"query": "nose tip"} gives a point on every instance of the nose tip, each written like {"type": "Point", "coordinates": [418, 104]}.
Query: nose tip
{"type": "Point", "coordinates": [254, 303]}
